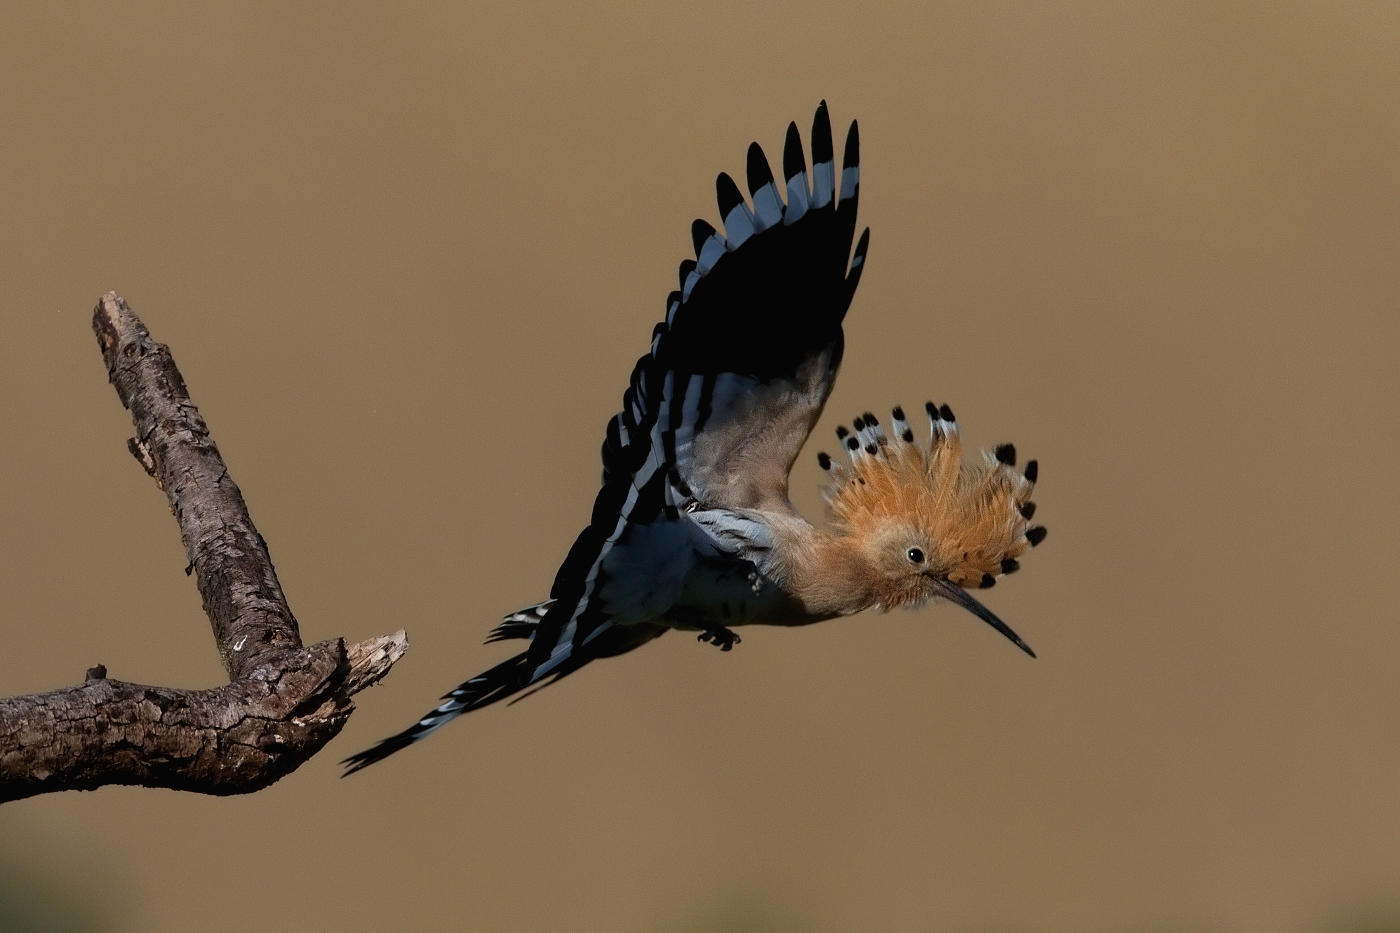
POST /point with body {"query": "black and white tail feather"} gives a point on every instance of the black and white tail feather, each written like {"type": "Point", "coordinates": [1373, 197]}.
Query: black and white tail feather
{"type": "Point", "coordinates": [757, 316]}
{"type": "Point", "coordinates": [520, 624]}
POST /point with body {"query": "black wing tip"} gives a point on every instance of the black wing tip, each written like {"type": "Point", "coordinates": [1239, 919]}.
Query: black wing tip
{"type": "Point", "coordinates": [851, 157]}
{"type": "Point", "coordinates": [794, 163]}
{"type": "Point", "coordinates": [683, 272]}
{"type": "Point", "coordinates": [857, 267]}
{"type": "Point", "coordinates": [822, 148]}
{"type": "Point", "coordinates": [862, 246]}
{"type": "Point", "coordinates": [759, 172]}
{"type": "Point", "coordinates": [687, 266]}
{"type": "Point", "coordinates": [727, 194]}
{"type": "Point", "coordinates": [700, 231]}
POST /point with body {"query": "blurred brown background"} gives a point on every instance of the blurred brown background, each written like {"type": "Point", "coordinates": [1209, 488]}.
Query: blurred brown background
{"type": "Point", "coordinates": [405, 256]}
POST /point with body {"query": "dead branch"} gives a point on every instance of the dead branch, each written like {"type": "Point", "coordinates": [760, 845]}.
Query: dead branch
{"type": "Point", "coordinates": [283, 703]}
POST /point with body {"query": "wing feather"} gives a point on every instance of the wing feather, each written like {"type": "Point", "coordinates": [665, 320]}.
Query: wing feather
{"type": "Point", "coordinates": [712, 420]}
{"type": "Point", "coordinates": [737, 375]}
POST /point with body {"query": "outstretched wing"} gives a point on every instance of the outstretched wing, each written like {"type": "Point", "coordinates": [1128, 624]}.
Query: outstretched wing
{"type": "Point", "coordinates": [716, 412]}
{"type": "Point", "coordinates": [737, 375]}
{"type": "Point", "coordinates": [752, 340]}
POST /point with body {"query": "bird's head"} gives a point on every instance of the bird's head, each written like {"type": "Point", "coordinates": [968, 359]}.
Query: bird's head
{"type": "Point", "coordinates": [925, 523]}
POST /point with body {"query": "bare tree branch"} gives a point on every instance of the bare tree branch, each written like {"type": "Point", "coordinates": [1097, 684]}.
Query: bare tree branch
{"type": "Point", "coordinates": [284, 701]}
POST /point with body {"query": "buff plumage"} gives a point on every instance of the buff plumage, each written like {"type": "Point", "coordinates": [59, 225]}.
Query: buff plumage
{"type": "Point", "coordinates": [974, 517]}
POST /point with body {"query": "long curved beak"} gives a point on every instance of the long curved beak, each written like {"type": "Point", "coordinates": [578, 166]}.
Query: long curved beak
{"type": "Point", "coordinates": [955, 593]}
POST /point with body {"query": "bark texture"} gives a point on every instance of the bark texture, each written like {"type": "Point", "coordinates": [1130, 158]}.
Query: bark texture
{"type": "Point", "coordinates": [284, 701]}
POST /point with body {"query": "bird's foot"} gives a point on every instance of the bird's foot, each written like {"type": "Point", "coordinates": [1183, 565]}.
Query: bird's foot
{"type": "Point", "coordinates": [720, 637]}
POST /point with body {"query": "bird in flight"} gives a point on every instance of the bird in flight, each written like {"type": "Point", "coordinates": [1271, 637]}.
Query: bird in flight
{"type": "Point", "coordinates": [693, 529]}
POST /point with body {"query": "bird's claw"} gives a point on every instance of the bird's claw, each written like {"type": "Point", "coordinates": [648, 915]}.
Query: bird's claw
{"type": "Point", "coordinates": [720, 637]}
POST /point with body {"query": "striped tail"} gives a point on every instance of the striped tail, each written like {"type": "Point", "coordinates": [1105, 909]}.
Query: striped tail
{"type": "Point", "coordinates": [504, 680]}
{"type": "Point", "coordinates": [500, 682]}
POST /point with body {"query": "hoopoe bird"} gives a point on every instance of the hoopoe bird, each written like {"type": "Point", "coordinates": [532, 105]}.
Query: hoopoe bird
{"type": "Point", "coordinates": [693, 528]}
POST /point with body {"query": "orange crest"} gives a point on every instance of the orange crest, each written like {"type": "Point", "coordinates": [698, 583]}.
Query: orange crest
{"type": "Point", "coordinates": [968, 521]}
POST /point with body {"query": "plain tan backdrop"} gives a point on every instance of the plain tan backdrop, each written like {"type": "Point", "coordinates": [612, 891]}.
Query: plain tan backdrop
{"type": "Point", "coordinates": [405, 255]}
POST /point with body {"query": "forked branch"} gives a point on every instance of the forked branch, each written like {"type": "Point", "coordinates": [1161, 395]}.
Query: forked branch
{"type": "Point", "coordinates": [284, 701]}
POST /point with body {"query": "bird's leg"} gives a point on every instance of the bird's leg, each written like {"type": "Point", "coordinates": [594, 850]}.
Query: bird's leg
{"type": "Point", "coordinates": [721, 637]}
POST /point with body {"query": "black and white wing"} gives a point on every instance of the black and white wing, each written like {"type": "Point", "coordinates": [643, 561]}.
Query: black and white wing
{"type": "Point", "coordinates": [716, 412]}
{"type": "Point", "coordinates": [737, 374]}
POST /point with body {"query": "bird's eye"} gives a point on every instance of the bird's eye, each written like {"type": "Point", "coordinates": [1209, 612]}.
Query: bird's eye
{"type": "Point", "coordinates": [915, 555]}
